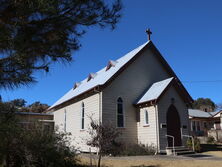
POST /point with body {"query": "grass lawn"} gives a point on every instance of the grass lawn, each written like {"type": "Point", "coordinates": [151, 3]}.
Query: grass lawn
{"type": "Point", "coordinates": [212, 149]}
{"type": "Point", "coordinates": [161, 161]}
{"type": "Point", "coordinates": [146, 161]}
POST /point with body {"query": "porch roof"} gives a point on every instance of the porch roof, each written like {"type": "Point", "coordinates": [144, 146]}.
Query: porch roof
{"type": "Point", "coordinates": [154, 92]}
{"type": "Point", "coordinates": [202, 114]}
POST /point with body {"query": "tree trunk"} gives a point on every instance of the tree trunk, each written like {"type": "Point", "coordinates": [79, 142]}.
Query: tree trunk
{"type": "Point", "coordinates": [99, 160]}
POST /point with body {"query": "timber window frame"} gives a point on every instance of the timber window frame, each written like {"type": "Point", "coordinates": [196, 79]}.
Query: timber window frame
{"type": "Point", "coordinates": [120, 118]}
{"type": "Point", "coordinates": [83, 116]}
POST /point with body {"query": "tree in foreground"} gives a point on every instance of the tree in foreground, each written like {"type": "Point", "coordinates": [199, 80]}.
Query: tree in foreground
{"type": "Point", "coordinates": [35, 147]}
{"type": "Point", "coordinates": [35, 33]}
{"type": "Point", "coordinates": [104, 138]}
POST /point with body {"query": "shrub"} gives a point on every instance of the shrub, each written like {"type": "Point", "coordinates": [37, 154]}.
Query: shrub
{"type": "Point", "coordinates": [136, 149]}
{"type": "Point", "coordinates": [210, 140]}
{"type": "Point", "coordinates": [197, 147]}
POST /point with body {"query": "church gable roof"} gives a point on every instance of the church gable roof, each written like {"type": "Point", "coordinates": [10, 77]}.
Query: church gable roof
{"type": "Point", "coordinates": [101, 78]}
{"type": "Point", "coordinates": [113, 69]}
{"type": "Point", "coordinates": [155, 91]}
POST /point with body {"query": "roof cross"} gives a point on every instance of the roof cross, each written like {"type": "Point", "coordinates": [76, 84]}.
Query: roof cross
{"type": "Point", "coordinates": [149, 32]}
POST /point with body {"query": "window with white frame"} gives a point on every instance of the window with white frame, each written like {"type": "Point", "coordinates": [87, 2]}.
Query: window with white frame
{"type": "Point", "coordinates": [83, 116]}
{"type": "Point", "coordinates": [120, 113]}
{"type": "Point", "coordinates": [146, 117]}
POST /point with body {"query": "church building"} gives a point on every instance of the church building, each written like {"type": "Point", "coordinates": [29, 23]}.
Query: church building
{"type": "Point", "coordinates": [138, 93]}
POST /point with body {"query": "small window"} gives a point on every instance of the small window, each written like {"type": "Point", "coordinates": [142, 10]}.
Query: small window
{"type": "Point", "coordinates": [65, 120]}
{"type": "Point", "coordinates": [193, 126]}
{"type": "Point", "coordinates": [205, 125]}
{"type": "Point", "coordinates": [83, 116]}
{"type": "Point", "coordinates": [146, 117]}
{"type": "Point", "coordinates": [198, 126]}
{"type": "Point", "coordinates": [120, 113]}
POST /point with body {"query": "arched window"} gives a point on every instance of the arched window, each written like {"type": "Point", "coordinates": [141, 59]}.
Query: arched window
{"type": "Point", "coordinates": [120, 113]}
{"type": "Point", "coordinates": [146, 117]}
{"type": "Point", "coordinates": [83, 116]}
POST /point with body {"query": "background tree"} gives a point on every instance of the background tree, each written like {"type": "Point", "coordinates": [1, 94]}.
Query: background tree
{"type": "Point", "coordinates": [19, 105]}
{"type": "Point", "coordinates": [18, 102]}
{"type": "Point", "coordinates": [35, 33]}
{"type": "Point", "coordinates": [103, 137]}
{"type": "Point", "coordinates": [205, 104]}
{"type": "Point", "coordinates": [38, 107]}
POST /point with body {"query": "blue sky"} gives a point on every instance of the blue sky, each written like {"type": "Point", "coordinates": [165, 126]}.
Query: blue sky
{"type": "Point", "coordinates": [187, 33]}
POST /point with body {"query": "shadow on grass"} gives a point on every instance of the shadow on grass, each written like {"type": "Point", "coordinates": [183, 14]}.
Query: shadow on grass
{"type": "Point", "coordinates": [210, 147]}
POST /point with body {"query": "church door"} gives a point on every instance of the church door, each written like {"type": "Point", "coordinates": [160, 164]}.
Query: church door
{"type": "Point", "coordinates": [173, 126]}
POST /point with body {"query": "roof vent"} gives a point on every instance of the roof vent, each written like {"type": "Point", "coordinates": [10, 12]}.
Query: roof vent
{"type": "Point", "coordinates": [110, 64]}
{"type": "Point", "coordinates": [76, 85]}
{"type": "Point", "coordinates": [91, 76]}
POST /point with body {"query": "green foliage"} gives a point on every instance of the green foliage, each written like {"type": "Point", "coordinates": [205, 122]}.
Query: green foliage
{"type": "Point", "coordinates": [211, 140]}
{"type": "Point", "coordinates": [34, 148]}
{"type": "Point", "coordinates": [19, 105]}
{"type": "Point", "coordinates": [203, 102]}
{"type": "Point", "coordinates": [36, 33]}
{"type": "Point", "coordinates": [197, 146]}
{"type": "Point", "coordinates": [38, 107]}
{"type": "Point", "coordinates": [136, 149]}
{"type": "Point", "coordinates": [18, 102]}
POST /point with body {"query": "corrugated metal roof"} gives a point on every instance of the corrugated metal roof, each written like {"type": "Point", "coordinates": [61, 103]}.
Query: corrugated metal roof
{"type": "Point", "coordinates": [203, 114]}
{"type": "Point", "coordinates": [102, 76]}
{"type": "Point", "coordinates": [198, 113]}
{"type": "Point", "coordinates": [155, 91]}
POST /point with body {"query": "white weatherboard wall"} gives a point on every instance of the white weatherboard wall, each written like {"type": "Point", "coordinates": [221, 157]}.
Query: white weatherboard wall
{"type": "Point", "coordinates": [73, 120]}
{"type": "Point", "coordinates": [147, 133]}
{"type": "Point", "coordinates": [163, 105]}
{"type": "Point", "coordinates": [130, 85]}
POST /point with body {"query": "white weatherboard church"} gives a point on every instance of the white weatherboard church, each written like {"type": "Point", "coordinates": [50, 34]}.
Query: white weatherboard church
{"type": "Point", "coordinates": [139, 93]}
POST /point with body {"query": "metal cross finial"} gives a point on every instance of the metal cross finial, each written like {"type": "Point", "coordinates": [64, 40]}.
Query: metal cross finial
{"type": "Point", "coordinates": [148, 31]}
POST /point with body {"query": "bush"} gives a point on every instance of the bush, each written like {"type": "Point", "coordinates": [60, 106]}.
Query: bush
{"type": "Point", "coordinates": [136, 149]}
{"type": "Point", "coordinates": [34, 148]}
{"type": "Point", "coordinates": [210, 140]}
{"type": "Point", "coordinates": [197, 147]}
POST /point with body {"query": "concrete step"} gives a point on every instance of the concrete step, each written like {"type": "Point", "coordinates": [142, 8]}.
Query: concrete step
{"type": "Point", "coordinates": [179, 150]}
{"type": "Point", "coordinates": [184, 152]}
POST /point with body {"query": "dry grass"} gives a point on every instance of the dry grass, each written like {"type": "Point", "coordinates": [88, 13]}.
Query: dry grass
{"type": "Point", "coordinates": [152, 161]}
{"type": "Point", "coordinates": [134, 162]}
{"type": "Point", "coordinates": [214, 153]}
{"type": "Point", "coordinates": [212, 149]}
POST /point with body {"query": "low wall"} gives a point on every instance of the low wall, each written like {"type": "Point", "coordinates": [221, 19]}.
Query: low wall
{"type": "Point", "coordinates": [217, 134]}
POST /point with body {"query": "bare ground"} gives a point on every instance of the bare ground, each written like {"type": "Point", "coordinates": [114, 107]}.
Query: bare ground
{"type": "Point", "coordinates": [210, 157]}
{"type": "Point", "coordinates": [155, 161]}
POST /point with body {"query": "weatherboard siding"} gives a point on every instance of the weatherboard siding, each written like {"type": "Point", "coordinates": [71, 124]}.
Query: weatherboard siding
{"type": "Point", "coordinates": [79, 137]}
{"type": "Point", "coordinates": [147, 134]}
{"type": "Point", "coordinates": [130, 85]}
{"type": "Point", "coordinates": [163, 105]}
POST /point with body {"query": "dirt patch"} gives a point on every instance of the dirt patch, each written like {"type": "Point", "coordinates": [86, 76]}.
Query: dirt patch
{"type": "Point", "coordinates": [149, 161]}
